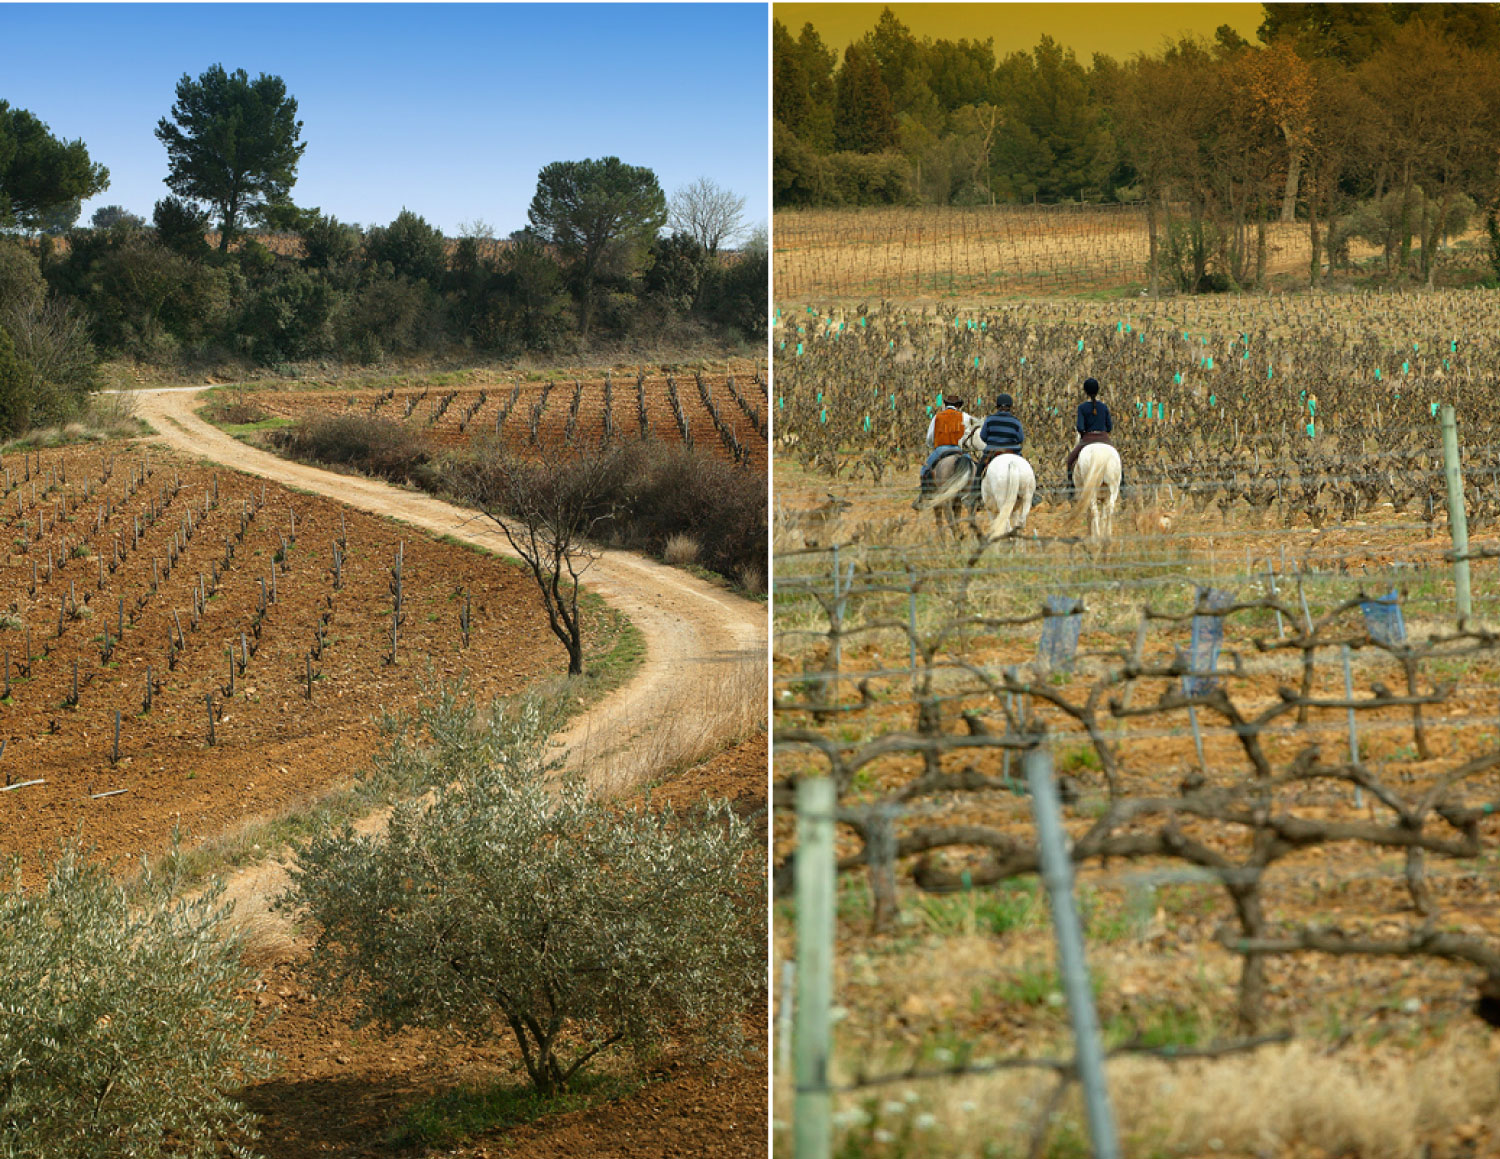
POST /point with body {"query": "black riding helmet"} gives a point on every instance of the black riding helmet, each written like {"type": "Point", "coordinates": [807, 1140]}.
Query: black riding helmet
{"type": "Point", "coordinates": [1004, 401]}
{"type": "Point", "coordinates": [1091, 387]}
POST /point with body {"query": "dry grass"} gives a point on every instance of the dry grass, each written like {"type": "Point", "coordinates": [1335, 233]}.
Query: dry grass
{"type": "Point", "coordinates": [681, 549]}
{"type": "Point", "coordinates": [1286, 1100]}
{"type": "Point", "coordinates": [717, 705]}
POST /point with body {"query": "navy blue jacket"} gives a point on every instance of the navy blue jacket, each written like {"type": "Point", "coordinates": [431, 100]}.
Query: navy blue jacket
{"type": "Point", "coordinates": [1002, 432]}
{"type": "Point", "coordinates": [1093, 417]}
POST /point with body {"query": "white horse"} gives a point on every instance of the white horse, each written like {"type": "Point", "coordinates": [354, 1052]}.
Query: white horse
{"type": "Point", "coordinates": [1098, 474]}
{"type": "Point", "coordinates": [1006, 490]}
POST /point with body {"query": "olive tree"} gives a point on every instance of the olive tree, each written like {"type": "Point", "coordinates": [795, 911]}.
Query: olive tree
{"type": "Point", "coordinates": [509, 901]}
{"type": "Point", "coordinates": [124, 1019]}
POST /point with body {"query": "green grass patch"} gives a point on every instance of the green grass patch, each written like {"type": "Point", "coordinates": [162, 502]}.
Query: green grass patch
{"type": "Point", "coordinates": [243, 430]}
{"type": "Point", "coordinates": [453, 1116]}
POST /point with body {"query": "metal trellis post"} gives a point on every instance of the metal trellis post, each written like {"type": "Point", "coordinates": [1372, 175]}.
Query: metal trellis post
{"type": "Point", "coordinates": [1057, 876]}
{"type": "Point", "coordinates": [816, 873]}
{"type": "Point", "coordinates": [1458, 523]}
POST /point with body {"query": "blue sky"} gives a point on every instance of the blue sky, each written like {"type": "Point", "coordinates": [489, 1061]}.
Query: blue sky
{"type": "Point", "coordinates": [449, 110]}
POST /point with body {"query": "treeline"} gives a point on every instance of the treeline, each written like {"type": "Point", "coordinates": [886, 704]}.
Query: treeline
{"type": "Point", "coordinates": [320, 289]}
{"type": "Point", "coordinates": [1368, 120]}
{"type": "Point", "coordinates": [230, 268]}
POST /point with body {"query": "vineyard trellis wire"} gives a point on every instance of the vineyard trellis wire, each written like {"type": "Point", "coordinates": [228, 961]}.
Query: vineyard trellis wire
{"type": "Point", "coordinates": [936, 251]}
{"type": "Point", "coordinates": [920, 751]}
{"type": "Point", "coordinates": [1005, 712]}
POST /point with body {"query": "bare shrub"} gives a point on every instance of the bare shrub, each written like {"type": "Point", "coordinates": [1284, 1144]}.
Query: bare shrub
{"type": "Point", "coordinates": [375, 446]}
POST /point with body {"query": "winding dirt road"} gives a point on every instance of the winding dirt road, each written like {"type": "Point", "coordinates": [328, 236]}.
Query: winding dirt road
{"type": "Point", "coordinates": [688, 625]}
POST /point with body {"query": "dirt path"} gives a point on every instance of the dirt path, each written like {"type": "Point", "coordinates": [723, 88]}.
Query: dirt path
{"type": "Point", "coordinates": [688, 625]}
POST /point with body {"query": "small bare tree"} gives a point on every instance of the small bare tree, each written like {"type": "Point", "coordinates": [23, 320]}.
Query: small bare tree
{"type": "Point", "coordinates": [548, 510]}
{"type": "Point", "coordinates": [707, 213]}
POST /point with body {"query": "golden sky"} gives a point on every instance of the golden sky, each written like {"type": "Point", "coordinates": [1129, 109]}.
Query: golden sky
{"type": "Point", "coordinates": [1118, 30]}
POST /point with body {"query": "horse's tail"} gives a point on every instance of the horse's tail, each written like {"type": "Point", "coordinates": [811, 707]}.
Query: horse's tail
{"type": "Point", "coordinates": [1088, 486]}
{"type": "Point", "coordinates": [1000, 524]}
{"type": "Point", "coordinates": [963, 475]}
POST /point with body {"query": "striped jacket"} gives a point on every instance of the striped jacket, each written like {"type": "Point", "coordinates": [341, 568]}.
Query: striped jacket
{"type": "Point", "coordinates": [1002, 432]}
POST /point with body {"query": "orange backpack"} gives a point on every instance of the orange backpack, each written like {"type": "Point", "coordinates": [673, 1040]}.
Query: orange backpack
{"type": "Point", "coordinates": [948, 430]}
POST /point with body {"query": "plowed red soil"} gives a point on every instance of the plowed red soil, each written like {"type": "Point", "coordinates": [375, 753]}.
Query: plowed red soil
{"type": "Point", "coordinates": [558, 429]}
{"type": "Point", "coordinates": [338, 1092]}
{"type": "Point", "coordinates": [273, 746]}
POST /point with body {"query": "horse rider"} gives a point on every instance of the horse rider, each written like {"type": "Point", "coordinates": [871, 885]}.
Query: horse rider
{"type": "Point", "coordinates": [945, 431]}
{"type": "Point", "coordinates": [1093, 425]}
{"type": "Point", "coordinates": [1002, 435]}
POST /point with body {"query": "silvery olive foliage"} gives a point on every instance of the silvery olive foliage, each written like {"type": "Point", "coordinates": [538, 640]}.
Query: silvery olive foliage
{"type": "Point", "coordinates": [514, 901]}
{"type": "Point", "coordinates": [125, 1019]}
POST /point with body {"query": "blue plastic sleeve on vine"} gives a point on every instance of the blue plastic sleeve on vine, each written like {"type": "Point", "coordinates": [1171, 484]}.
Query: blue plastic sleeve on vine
{"type": "Point", "coordinates": [1309, 430]}
{"type": "Point", "coordinates": [1138, 407]}
{"type": "Point", "coordinates": [1312, 406]}
{"type": "Point", "coordinates": [1269, 372]}
{"type": "Point", "coordinates": [820, 398]}
{"type": "Point", "coordinates": [1119, 327]}
{"type": "Point", "coordinates": [823, 415]}
{"type": "Point", "coordinates": [1445, 364]}
{"type": "Point", "coordinates": [867, 422]}
{"type": "Point", "coordinates": [893, 402]}
{"type": "Point", "coordinates": [1434, 409]}
{"type": "Point", "coordinates": [783, 345]}
{"type": "Point", "coordinates": [861, 322]}
{"type": "Point", "coordinates": [929, 412]}
{"type": "Point", "coordinates": [1213, 400]}
{"type": "Point", "coordinates": [781, 402]}
{"type": "Point", "coordinates": [1377, 374]}
{"type": "Point", "coordinates": [1209, 362]}
{"type": "Point", "coordinates": [801, 329]}
{"type": "Point", "coordinates": [1177, 378]}
{"type": "Point", "coordinates": [1159, 413]}
{"type": "Point", "coordinates": [799, 349]}
{"type": "Point", "coordinates": [1142, 337]}
{"type": "Point", "coordinates": [1406, 368]}
{"type": "Point", "coordinates": [1415, 349]}
{"type": "Point", "coordinates": [1452, 347]}
{"type": "Point", "coordinates": [940, 399]}
{"type": "Point", "coordinates": [1023, 360]}
{"type": "Point", "coordinates": [1080, 346]}
{"type": "Point", "coordinates": [976, 362]}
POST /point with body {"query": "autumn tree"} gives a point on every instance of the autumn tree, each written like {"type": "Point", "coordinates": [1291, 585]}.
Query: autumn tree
{"type": "Point", "coordinates": [232, 144]}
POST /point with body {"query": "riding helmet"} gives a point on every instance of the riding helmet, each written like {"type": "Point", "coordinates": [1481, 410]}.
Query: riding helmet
{"type": "Point", "coordinates": [1004, 402]}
